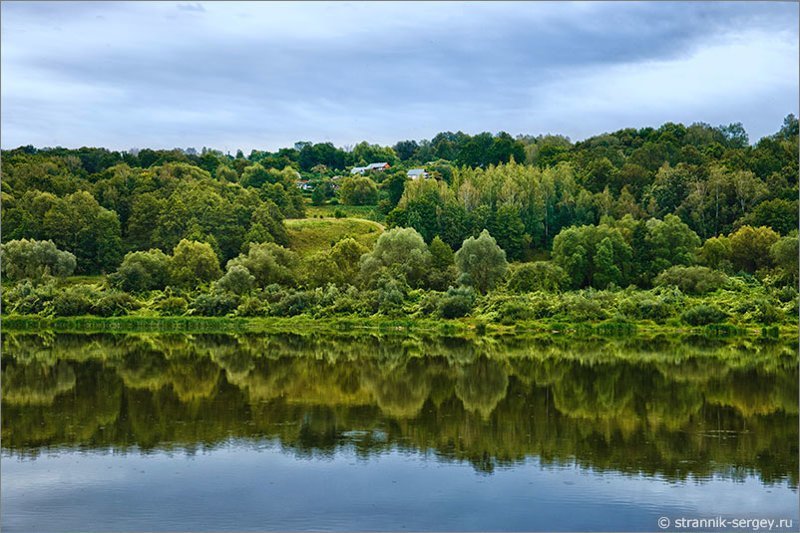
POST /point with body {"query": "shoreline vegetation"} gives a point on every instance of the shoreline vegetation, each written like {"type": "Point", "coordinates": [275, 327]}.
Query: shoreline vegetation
{"type": "Point", "coordinates": [342, 326]}
{"type": "Point", "coordinates": [679, 229]}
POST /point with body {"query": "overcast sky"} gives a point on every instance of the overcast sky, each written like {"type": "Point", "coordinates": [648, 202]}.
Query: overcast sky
{"type": "Point", "coordinates": [264, 75]}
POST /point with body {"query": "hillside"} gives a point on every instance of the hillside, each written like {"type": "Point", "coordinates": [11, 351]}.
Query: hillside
{"type": "Point", "coordinates": [309, 235]}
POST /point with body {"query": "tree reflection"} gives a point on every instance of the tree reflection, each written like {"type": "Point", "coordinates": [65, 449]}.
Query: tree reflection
{"type": "Point", "coordinates": [657, 407]}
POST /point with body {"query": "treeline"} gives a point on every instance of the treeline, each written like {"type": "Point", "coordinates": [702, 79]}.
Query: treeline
{"type": "Point", "coordinates": [696, 208]}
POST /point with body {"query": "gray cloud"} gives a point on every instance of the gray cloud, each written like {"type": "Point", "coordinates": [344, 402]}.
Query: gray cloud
{"type": "Point", "coordinates": [263, 75]}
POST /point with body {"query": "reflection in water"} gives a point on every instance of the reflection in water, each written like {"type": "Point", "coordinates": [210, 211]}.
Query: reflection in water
{"type": "Point", "coordinates": [654, 407]}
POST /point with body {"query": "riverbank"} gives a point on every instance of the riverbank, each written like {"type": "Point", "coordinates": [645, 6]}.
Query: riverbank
{"type": "Point", "coordinates": [304, 325]}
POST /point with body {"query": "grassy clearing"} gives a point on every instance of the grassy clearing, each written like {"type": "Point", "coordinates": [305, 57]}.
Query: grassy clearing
{"type": "Point", "coordinates": [367, 212]}
{"type": "Point", "coordinates": [309, 235]}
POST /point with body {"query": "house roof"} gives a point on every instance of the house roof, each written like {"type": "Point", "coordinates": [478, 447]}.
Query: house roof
{"type": "Point", "coordinates": [372, 166]}
{"type": "Point", "coordinates": [416, 172]}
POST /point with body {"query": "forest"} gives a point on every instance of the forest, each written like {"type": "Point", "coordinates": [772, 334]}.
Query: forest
{"type": "Point", "coordinates": [680, 225]}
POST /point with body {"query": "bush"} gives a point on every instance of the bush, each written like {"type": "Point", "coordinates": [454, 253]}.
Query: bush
{"type": "Point", "coordinates": [115, 304]}
{"type": "Point", "coordinates": [537, 276]}
{"type": "Point", "coordinates": [237, 280]}
{"type": "Point", "coordinates": [582, 306]}
{"type": "Point", "coordinates": [33, 259]}
{"type": "Point", "coordinates": [75, 301]}
{"type": "Point", "coordinates": [457, 303]}
{"type": "Point", "coordinates": [338, 213]}
{"type": "Point", "coordinates": [172, 306]}
{"type": "Point", "coordinates": [217, 303]}
{"type": "Point", "coordinates": [693, 279]}
{"type": "Point", "coordinates": [295, 303]}
{"type": "Point", "coordinates": [702, 315]}
{"type": "Point", "coordinates": [646, 306]}
{"type": "Point", "coordinates": [142, 271]}
{"type": "Point", "coordinates": [28, 299]}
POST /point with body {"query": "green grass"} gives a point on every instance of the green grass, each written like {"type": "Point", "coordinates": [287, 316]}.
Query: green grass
{"type": "Point", "coordinates": [309, 235]}
{"type": "Point", "coordinates": [353, 211]}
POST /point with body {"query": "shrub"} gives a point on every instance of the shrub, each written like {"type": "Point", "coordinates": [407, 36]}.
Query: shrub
{"type": "Point", "coordinates": [115, 304]}
{"type": "Point", "coordinates": [457, 303]}
{"type": "Point", "coordinates": [702, 315]}
{"type": "Point", "coordinates": [237, 280]}
{"type": "Point", "coordinates": [646, 306]}
{"type": "Point", "coordinates": [33, 259]}
{"type": "Point", "coordinates": [216, 303]}
{"type": "Point", "coordinates": [194, 263]}
{"type": "Point", "coordinates": [693, 279]}
{"type": "Point", "coordinates": [142, 271]}
{"type": "Point", "coordinates": [28, 299]}
{"type": "Point", "coordinates": [172, 306]}
{"type": "Point", "coordinates": [536, 276]}
{"type": "Point", "coordinates": [481, 261]}
{"type": "Point", "coordinates": [74, 301]}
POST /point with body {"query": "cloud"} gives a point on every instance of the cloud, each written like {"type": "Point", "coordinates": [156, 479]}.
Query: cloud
{"type": "Point", "coordinates": [262, 75]}
{"type": "Point", "coordinates": [196, 6]}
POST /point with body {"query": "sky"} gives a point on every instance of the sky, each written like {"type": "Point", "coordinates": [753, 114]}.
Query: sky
{"type": "Point", "coordinates": [264, 75]}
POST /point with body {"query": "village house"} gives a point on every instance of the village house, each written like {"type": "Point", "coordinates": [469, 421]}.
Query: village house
{"type": "Point", "coordinates": [371, 167]}
{"type": "Point", "coordinates": [416, 173]}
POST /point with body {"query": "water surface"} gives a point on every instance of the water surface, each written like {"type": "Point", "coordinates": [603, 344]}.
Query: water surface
{"type": "Point", "coordinates": [372, 432]}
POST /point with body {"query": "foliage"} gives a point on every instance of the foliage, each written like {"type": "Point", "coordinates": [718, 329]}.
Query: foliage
{"type": "Point", "coordinates": [193, 263]}
{"type": "Point", "coordinates": [268, 263]}
{"type": "Point", "coordinates": [31, 259]}
{"type": "Point", "coordinates": [402, 253]}
{"type": "Point", "coordinates": [142, 271]}
{"type": "Point", "coordinates": [693, 280]}
{"type": "Point", "coordinates": [536, 276]}
{"type": "Point", "coordinates": [701, 315]}
{"type": "Point", "coordinates": [481, 262]}
{"type": "Point", "coordinates": [358, 190]}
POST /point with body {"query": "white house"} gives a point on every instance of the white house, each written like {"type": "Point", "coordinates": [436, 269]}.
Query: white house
{"type": "Point", "coordinates": [372, 166]}
{"type": "Point", "coordinates": [417, 173]}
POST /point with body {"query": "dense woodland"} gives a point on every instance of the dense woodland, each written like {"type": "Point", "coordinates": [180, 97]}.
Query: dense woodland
{"type": "Point", "coordinates": [690, 221]}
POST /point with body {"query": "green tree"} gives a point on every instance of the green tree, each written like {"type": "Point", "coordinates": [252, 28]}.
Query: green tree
{"type": "Point", "coordinates": [671, 242]}
{"type": "Point", "coordinates": [237, 280]}
{"type": "Point", "coordinates": [34, 259]}
{"type": "Point", "coordinates": [194, 263]}
{"type": "Point", "coordinates": [536, 276]}
{"type": "Point", "coordinates": [142, 271]}
{"type": "Point", "coordinates": [784, 254]}
{"type": "Point", "coordinates": [358, 190]}
{"type": "Point", "coordinates": [268, 263]}
{"type": "Point", "coordinates": [481, 262]}
{"type": "Point", "coordinates": [401, 251]}
{"type": "Point", "coordinates": [750, 247]}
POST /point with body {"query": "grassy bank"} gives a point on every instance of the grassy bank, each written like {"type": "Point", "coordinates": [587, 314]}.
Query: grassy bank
{"type": "Point", "coordinates": [360, 325]}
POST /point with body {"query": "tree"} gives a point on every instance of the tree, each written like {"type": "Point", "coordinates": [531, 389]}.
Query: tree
{"type": "Point", "coordinates": [358, 190]}
{"type": "Point", "coordinates": [401, 251]}
{"type": "Point", "coordinates": [784, 254]}
{"type": "Point", "coordinates": [507, 227]}
{"type": "Point", "coordinates": [716, 253]}
{"type": "Point", "coordinates": [268, 263]}
{"type": "Point", "coordinates": [142, 271]}
{"type": "Point", "coordinates": [750, 247]}
{"type": "Point", "coordinates": [194, 263]}
{"type": "Point", "coordinates": [594, 256]}
{"type": "Point", "coordinates": [671, 242]}
{"type": "Point", "coordinates": [779, 214]}
{"type": "Point", "coordinates": [237, 280]}
{"type": "Point", "coordinates": [481, 262]}
{"type": "Point", "coordinates": [35, 259]}
{"type": "Point", "coordinates": [537, 276]}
